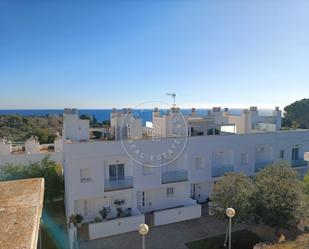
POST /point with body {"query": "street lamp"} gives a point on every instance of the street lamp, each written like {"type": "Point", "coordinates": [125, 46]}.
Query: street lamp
{"type": "Point", "coordinates": [143, 229]}
{"type": "Point", "coordinates": [230, 212]}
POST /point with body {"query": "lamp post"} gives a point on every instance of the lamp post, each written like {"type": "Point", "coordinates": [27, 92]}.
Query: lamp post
{"type": "Point", "coordinates": [230, 212]}
{"type": "Point", "coordinates": [143, 230]}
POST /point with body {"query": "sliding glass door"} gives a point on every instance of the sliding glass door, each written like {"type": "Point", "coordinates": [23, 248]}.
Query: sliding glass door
{"type": "Point", "coordinates": [116, 172]}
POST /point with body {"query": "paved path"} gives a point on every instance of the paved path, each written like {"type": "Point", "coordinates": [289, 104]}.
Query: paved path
{"type": "Point", "coordinates": [172, 236]}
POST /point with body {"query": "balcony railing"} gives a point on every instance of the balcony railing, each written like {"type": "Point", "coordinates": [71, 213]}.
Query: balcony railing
{"type": "Point", "coordinates": [112, 185]}
{"type": "Point", "coordinates": [298, 163]}
{"type": "Point", "coordinates": [221, 170]}
{"type": "Point", "coordinates": [261, 165]}
{"type": "Point", "coordinates": [175, 176]}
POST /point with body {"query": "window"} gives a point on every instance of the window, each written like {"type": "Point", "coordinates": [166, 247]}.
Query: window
{"type": "Point", "coordinates": [85, 175]}
{"type": "Point", "coordinates": [281, 154]}
{"type": "Point", "coordinates": [244, 158]}
{"type": "Point", "coordinates": [116, 172]}
{"type": "Point", "coordinates": [199, 163]}
{"type": "Point", "coordinates": [295, 153]}
{"type": "Point", "coordinates": [169, 192]}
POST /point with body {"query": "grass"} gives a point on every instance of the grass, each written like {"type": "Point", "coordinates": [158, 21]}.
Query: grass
{"type": "Point", "coordinates": [242, 239]}
{"type": "Point", "coordinates": [54, 234]}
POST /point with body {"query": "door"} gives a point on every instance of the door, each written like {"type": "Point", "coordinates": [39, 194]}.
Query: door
{"type": "Point", "coordinates": [193, 193]}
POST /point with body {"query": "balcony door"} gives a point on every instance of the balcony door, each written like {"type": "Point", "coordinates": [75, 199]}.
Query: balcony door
{"type": "Point", "coordinates": [116, 172]}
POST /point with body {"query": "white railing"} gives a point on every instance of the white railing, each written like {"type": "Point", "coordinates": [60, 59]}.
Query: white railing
{"type": "Point", "coordinates": [218, 171]}
{"type": "Point", "coordinates": [174, 176]}
{"type": "Point", "coordinates": [112, 185]}
{"type": "Point", "coordinates": [298, 163]}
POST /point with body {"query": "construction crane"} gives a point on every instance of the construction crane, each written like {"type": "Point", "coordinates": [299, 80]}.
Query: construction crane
{"type": "Point", "coordinates": [173, 95]}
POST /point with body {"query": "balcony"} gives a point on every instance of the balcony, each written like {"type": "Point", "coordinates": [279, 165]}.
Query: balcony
{"type": "Point", "coordinates": [113, 185]}
{"type": "Point", "coordinates": [261, 165]}
{"type": "Point", "coordinates": [298, 163]}
{"type": "Point", "coordinates": [174, 176]}
{"type": "Point", "coordinates": [218, 171]}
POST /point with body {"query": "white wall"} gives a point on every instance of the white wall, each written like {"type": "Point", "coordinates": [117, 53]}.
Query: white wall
{"type": "Point", "coordinates": [177, 214]}
{"type": "Point", "coordinates": [5, 148]}
{"type": "Point", "coordinates": [242, 122]}
{"type": "Point", "coordinates": [32, 146]}
{"type": "Point", "coordinates": [74, 128]}
{"type": "Point", "coordinates": [203, 191]}
{"type": "Point", "coordinates": [89, 208]}
{"type": "Point", "coordinates": [25, 159]}
{"type": "Point", "coordinates": [117, 226]}
{"type": "Point", "coordinates": [267, 127]}
{"type": "Point", "coordinates": [157, 199]}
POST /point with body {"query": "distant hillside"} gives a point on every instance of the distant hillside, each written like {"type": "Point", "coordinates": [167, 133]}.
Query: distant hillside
{"type": "Point", "coordinates": [19, 128]}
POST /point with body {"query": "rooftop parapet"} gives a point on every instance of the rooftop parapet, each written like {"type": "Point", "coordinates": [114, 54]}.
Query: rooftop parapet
{"type": "Point", "coordinates": [21, 204]}
{"type": "Point", "coordinates": [71, 111]}
{"type": "Point", "coordinates": [253, 108]}
{"type": "Point", "coordinates": [216, 109]}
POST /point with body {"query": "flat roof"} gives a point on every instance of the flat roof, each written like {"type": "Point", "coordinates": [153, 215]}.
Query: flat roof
{"type": "Point", "coordinates": [21, 203]}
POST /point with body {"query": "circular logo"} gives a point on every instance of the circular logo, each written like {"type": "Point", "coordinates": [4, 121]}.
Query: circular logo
{"type": "Point", "coordinates": [153, 134]}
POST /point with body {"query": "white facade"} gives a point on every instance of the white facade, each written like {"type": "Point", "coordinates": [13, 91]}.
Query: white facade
{"type": "Point", "coordinates": [125, 125]}
{"type": "Point", "coordinates": [30, 152]}
{"type": "Point", "coordinates": [5, 147]}
{"type": "Point", "coordinates": [98, 173]}
{"type": "Point", "coordinates": [251, 120]}
{"type": "Point", "coordinates": [74, 128]}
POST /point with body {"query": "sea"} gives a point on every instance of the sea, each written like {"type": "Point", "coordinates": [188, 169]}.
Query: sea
{"type": "Point", "coordinates": [104, 114]}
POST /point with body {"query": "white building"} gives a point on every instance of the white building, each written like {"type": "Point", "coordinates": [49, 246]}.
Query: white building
{"type": "Point", "coordinates": [125, 126]}
{"type": "Point", "coordinates": [251, 121]}
{"type": "Point", "coordinates": [30, 151]}
{"type": "Point", "coordinates": [102, 174]}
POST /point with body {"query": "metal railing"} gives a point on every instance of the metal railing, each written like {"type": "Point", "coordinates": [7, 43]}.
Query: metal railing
{"type": "Point", "coordinates": [221, 170]}
{"type": "Point", "coordinates": [298, 163]}
{"type": "Point", "coordinates": [175, 176]}
{"type": "Point", "coordinates": [117, 184]}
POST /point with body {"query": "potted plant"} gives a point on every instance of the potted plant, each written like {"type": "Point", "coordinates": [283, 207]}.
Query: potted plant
{"type": "Point", "coordinates": [79, 219]}
{"type": "Point", "coordinates": [97, 219]}
{"type": "Point", "coordinates": [118, 203]}
{"type": "Point", "coordinates": [119, 212]}
{"type": "Point", "coordinates": [72, 220]}
{"type": "Point", "coordinates": [104, 212]}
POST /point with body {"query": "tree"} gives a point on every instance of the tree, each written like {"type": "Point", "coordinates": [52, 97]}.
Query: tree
{"type": "Point", "coordinates": [306, 183]}
{"type": "Point", "coordinates": [93, 122]}
{"type": "Point", "coordinates": [279, 194]}
{"type": "Point", "coordinates": [85, 117]}
{"type": "Point", "coordinates": [49, 170]}
{"type": "Point", "coordinates": [106, 123]}
{"type": "Point", "coordinates": [236, 191]}
{"type": "Point", "coordinates": [298, 112]}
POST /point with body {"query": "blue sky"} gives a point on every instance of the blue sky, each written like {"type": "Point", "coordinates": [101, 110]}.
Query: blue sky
{"type": "Point", "coordinates": [101, 54]}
